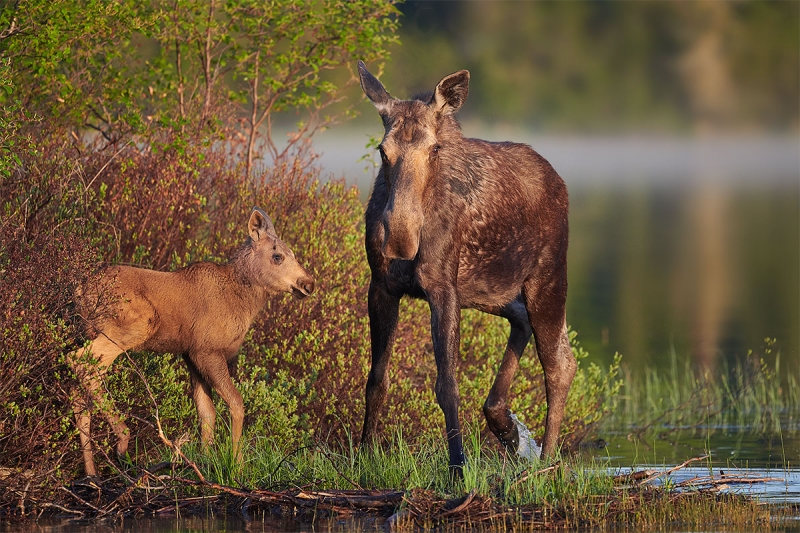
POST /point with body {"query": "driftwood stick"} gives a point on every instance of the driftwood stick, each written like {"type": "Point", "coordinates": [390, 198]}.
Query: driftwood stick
{"type": "Point", "coordinates": [460, 507]}
{"type": "Point", "coordinates": [727, 480]}
{"type": "Point", "coordinates": [633, 476]}
{"type": "Point", "coordinates": [671, 470]}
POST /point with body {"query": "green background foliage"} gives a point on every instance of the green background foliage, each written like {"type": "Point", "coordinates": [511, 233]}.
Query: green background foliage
{"type": "Point", "coordinates": [609, 67]}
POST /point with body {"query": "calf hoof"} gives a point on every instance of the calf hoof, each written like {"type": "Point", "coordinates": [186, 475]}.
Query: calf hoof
{"type": "Point", "coordinates": [122, 446]}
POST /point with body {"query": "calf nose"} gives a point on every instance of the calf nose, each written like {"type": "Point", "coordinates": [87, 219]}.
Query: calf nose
{"type": "Point", "coordinates": [307, 284]}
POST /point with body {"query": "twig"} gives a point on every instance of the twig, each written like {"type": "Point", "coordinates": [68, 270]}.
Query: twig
{"type": "Point", "coordinates": [671, 470]}
{"type": "Point", "coordinates": [81, 500]}
{"type": "Point", "coordinates": [328, 457]}
{"type": "Point", "coordinates": [61, 508]}
{"type": "Point", "coordinates": [460, 507]}
{"type": "Point", "coordinates": [525, 475]}
{"type": "Point", "coordinates": [174, 447]}
{"type": "Point", "coordinates": [86, 187]}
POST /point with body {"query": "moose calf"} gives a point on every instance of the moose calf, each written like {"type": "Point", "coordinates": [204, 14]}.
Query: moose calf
{"type": "Point", "coordinates": [201, 312]}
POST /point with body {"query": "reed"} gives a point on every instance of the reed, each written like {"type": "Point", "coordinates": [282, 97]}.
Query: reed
{"type": "Point", "coordinates": [755, 393]}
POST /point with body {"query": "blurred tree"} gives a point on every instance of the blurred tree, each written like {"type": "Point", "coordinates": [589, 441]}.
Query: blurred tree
{"type": "Point", "coordinates": [610, 66]}
{"type": "Point", "coordinates": [68, 61]}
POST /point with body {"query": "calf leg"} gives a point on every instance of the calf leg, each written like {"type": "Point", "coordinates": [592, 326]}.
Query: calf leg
{"type": "Point", "coordinates": [215, 372]}
{"type": "Point", "coordinates": [498, 415]}
{"type": "Point", "coordinates": [546, 305]}
{"type": "Point", "coordinates": [206, 413]}
{"type": "Point", "coordinates": [383, 313]}
{"type": "Point", "coordinates": [90, 374]}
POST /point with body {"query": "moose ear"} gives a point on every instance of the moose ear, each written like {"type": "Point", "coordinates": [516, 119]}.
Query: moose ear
{"type": "Point", "coordinates": [373, 88]}
{"type": "Point", "coordinates": [451, 92]}
{"type": "Point", "coordinates": [260, 224]}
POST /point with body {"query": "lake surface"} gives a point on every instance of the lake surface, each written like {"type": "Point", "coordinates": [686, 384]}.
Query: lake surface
{"type": "Point", "coordinates": [688, 246]}
{"type": "Point", "coordinates": [730, 450]}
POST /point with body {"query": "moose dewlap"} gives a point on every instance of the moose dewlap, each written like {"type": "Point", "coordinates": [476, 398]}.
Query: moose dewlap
{"type": "Point", "coordinates": [201, 312]}
{"type": "Point", "coordinates": [466, 223]}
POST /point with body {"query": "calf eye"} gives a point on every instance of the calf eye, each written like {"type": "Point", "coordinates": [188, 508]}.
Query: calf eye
{"type": "Point", "coordinates": [277, 259]}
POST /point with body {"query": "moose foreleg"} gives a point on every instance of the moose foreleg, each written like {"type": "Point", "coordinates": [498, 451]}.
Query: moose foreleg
{"type": "Point", "coordinates": [383, 312]}
{"type": "Point", "coordinates": [445, 320]}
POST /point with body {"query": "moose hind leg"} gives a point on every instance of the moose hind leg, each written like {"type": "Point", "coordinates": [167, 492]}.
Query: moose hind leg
{"type": "Point", "coordinates": [80, 406]}
{"type": "Point", "coordinates": [103, 351]}
{"type": "Point", "coordinates": [546, 309]}
{"type": "Point", "coordinates": [498, 415]}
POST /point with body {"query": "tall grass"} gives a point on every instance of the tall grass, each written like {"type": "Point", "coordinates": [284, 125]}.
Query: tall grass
{"type": "Point", "coordinates": [751, 393]}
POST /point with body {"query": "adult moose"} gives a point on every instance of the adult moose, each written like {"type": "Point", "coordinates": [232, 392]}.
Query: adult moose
{"type": "Point", "coordinates": [465, 223]}
{"type": "Point", "coordinates": [201, 312]}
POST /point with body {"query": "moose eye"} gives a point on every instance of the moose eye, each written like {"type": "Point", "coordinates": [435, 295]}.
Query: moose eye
{"type": "Point", "coordinates": [277, 258]}
{"type": "Point", "coordinates": [384, 159]}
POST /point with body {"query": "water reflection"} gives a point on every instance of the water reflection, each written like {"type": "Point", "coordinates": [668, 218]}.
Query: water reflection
{"type": "Point", "coordinates": [257, 524]}
{"type": "Point", "coordinates": [707, 272]}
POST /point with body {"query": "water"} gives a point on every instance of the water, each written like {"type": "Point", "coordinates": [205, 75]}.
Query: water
{"type": "Point", "coordinates": [188, 524]}
{"type": "Point", "coordinates": [730, 450]}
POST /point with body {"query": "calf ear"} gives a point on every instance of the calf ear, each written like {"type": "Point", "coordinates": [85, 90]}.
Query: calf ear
{"type": "Point", "coordinates": [260, 224]}
{"type": "Point", "coordinates": [451, 92]}
{"type": "Point", "coordinates": [373, 88]}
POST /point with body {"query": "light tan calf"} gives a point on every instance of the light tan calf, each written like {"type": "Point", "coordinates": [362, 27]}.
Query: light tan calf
{"type": "Point", "coordinates": [201, 312]}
